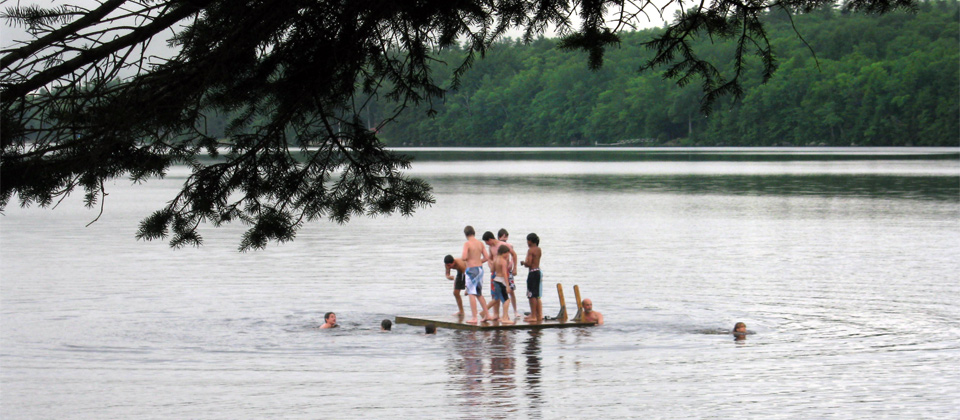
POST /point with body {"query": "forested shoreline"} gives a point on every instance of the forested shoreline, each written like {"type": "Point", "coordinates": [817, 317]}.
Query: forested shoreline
{"type": "Point", "coordinates": [890, 80]}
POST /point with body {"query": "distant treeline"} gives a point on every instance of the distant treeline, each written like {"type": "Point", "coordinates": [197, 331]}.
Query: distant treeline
{"type": "Point", "coordinates": [891, 80]}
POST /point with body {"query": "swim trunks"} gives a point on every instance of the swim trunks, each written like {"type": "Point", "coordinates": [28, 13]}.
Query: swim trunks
{"type": "Point", "coordinates": [474, 277]}
{"type": "Point", "coordinates": [499, 290]}
{"type": "Point", "coordinates": [459, 283]}
{"type": "Point", "coordinates": [534, 284]}
{"type": "Point", "coordinates": [513, 286]}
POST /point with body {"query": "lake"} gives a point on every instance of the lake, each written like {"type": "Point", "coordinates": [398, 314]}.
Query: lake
{"type": "Point", "coordinates": [843, 263]}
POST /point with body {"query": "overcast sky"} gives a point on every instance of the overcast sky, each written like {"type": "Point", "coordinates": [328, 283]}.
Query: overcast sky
{"type": "Point", "coordinates": [9, 35]}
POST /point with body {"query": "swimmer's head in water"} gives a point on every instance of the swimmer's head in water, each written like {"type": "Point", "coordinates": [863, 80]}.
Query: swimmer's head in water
{"type": "Point", "coordinates": [448, 259]}
{"type": "Point", "coordinates": [330, 317]}
{"type": "Point", "coordinates": [430, 329]}
{"type": "Point", "coordinates": [740, 328]}
{"type": "Point", "coordinates": [386, 325]}
{"type": "Point", "coordinates": [587, 305]}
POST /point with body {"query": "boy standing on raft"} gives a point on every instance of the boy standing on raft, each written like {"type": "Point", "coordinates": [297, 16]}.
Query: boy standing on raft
{"type": "Point", "coordinates": [494, 245]}
{"type": "Point", "coordinates": [459, 283]}
{"type": "Point", "coordinates": [534, 279]}
{"type": "Point", "coordinates": [474, 254]}
{"type": "Point", "coordinates": [500, 287]}
{"type": "Point", "coordinates": [503, 235]}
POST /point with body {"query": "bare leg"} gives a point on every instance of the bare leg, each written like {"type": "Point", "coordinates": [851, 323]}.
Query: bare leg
{"type": "Point", "coordinates": [493, 309]}
{"type": "Point", "coordinates": [533, 311]}
{"type": "Point", "coordinates": [456, 295]}
{"type": "Point", "coordinates": [513, 301]}
{"type": "Point", "coordinates": [539, 310]}
{"type": "Point", "coordinates": [490, 308]}
{"type": "Point", "coordinates": [505, 319]}
{"type": "Point", "coordinates": [483, 304]}
{"type": "Point", "coordinates": [473, 309]}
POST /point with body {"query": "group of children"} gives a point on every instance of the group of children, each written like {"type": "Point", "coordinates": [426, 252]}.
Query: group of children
{"type": "Point", "coordinates": [501, 259]}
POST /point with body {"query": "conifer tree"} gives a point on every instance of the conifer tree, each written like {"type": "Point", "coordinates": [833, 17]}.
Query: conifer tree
{"type": "Point", "coordinates": [83, 101]}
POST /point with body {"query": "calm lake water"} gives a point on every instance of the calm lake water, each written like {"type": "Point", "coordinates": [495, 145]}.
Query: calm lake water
{"type": "Point", "coordinates": [843, 262]}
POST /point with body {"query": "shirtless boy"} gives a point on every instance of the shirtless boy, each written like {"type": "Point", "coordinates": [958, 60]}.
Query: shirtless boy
{"type": "Point", "coordinates": [502, 236]}
{"type": "Point", "coordinates": [494, 245]}
{"type": "Point", "coordinates": [329, 321]}
{"type": "Point", "coordinates": [459, 284]}
{"type": "Point", "coordinates": [474, 253]}
{"type": "Point", "coordinates": [534, 279]}
{"type": "Point", "coordinates": [502, 272]}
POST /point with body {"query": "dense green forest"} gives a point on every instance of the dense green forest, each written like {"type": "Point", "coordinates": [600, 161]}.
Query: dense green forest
{"type": "Point", "coordinates": [891, 80]}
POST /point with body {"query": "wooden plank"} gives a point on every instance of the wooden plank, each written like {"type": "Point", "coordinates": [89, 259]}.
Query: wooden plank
{"type": "Point", "coordinates": [576, 294]}
{"type": "Point", "coordinates": [562, 315]}
{"type": "Point", "coordinates": [458, 323]}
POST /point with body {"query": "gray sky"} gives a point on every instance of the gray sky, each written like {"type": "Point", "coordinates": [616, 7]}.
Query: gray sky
{"type": "Point", "coordinates": [9, 35]}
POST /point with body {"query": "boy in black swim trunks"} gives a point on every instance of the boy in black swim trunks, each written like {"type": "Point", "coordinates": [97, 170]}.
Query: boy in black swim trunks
{"type": "Point", "coordinates": [534, 279]}
{"type": "Point", "coordinates": [459, 283]}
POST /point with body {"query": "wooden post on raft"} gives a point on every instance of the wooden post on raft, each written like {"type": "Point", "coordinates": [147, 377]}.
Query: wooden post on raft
{"type": "Point", "coordinates": [576, 294]}
{"type": "Point", "coordinates": [562, 315]}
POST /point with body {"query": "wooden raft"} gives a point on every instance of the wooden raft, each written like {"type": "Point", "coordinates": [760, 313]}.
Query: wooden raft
{"type": "Point", "coordinates": [458, 323]}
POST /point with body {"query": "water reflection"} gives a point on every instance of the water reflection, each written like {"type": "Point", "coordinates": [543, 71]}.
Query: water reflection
{"type": "Point", "coordinates": [940, 188]}
{"type": "Point", "coordinates": [493, 388]}
{"type": "Point", "coordinates": [466, 369]}
{"type": "Point", "coordinates": [681, 154]}
{"type": "Point", "coordinates": [502, 372]}
{"type": "Point", "coordinates": [531, 352]}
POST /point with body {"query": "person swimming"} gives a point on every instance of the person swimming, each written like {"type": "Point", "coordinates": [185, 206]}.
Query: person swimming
{"type": "Point", "coordinates": [329, 321]}
{"type": "Point", "coordinates": [739, 331]}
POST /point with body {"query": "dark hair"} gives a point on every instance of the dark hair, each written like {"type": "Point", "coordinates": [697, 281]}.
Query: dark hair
{"type": "Point", "coordinates": [534, 238]}
{"type": "Point", "coordinates": [503, 250]}
{"type": "Point", "coordinates": [448, 259]}
{"type": "Point", "coordinates": [738, 325]}
{"type": "Point", "coordinates": [431, 329]}
{"type": "Point", "coordinates": [326, 316]}
{"type": "Point", "coordinates": [487, 235]}
{"type": "Point", "coordinates": [386, 324]}
{"type": "Point", "coordinates": [502, 232]}
{"type": "Point", "coordinates": [468, 231]}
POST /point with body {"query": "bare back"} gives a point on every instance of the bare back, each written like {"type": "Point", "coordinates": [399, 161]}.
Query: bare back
{"type": "Point", "coordinates": [474, 252]}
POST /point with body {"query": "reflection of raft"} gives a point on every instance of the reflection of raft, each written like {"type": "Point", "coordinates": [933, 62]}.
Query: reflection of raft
{"type": "Point", "coordinates": [454, 322]}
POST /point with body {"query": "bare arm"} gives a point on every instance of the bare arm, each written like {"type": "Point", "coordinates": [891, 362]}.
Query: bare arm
{"type": "Point", "coordinates": [449, 277]}
{"type": "Point", "coordinates": [466, 250]}
{"type": "Point", "coordinates": [599, 318]}
{"type": "Point", "coordinates": [513, 254]}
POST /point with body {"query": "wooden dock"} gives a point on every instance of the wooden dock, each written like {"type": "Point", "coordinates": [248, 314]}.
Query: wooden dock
{"type": "Point", "coordinates": [457, 322]}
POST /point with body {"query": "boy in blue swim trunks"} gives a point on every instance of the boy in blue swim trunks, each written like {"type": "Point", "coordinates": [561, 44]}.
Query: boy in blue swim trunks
{"type": "Point", "coordinates": [500, 295]}
{"type": "Point", "coordinates": [534, 279]}
{"type": "Point", "coordinates": [494, 245]}
{"type": "Point", "coordinates": [474, 253]}
{"type": "Point", "coordinates": [502, 236]}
